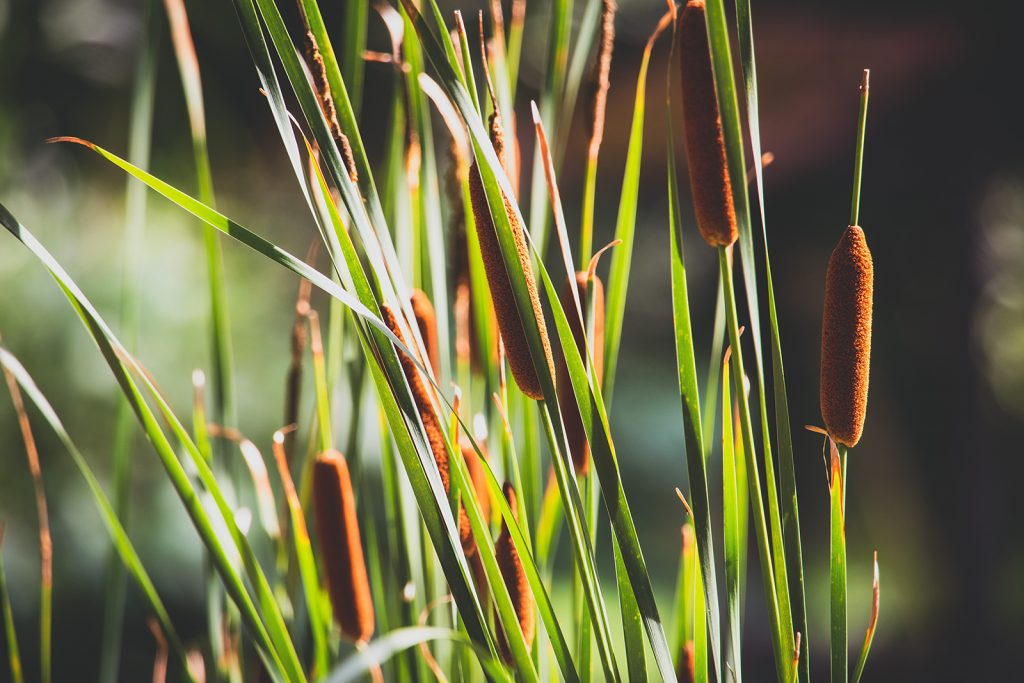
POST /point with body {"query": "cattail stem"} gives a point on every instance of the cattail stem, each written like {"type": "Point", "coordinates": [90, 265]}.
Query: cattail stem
{"type": "Point", "coordinates": [858, 162]}
{"type": "Point", "coordinates": [341, 548]}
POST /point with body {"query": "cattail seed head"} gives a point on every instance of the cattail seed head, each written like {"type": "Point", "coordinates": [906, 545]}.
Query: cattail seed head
{"type": "Point", "coordinates": [340, 546]}
{"type": "Point", "coordinates": [685, 665]}
{"type": "Point", "coordinates": [512, 332]}
{"type": "Point", "coordinates": [518, 585]}
{"type": "Point", "coordinates": [846, 337]}
{"type": "Point", "coordinates": [431, 426]}
{"type": "Point", "coordinates": [571, 418]}
{"type": "Point", "coordinates": [705, 142]}
{"type": "Point", "coordinates": [479, 479]}
{"type": "Point", "coordinates": [426, 321]}
{"type": "Point", "coordinates": [602, 72]}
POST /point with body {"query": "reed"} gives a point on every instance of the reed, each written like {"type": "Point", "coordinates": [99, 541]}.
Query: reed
{"type": "Point", "coordinates": [705, 139]}
{"type": "Point", "coordinates": [341, 550]}
{"type": "Point", "coordinates": [575, 433]}
{"type": "Point", "coordinates": [517, 349]}
{"type": "Point", "coordinates": [846, 337]}
{"type": "Point", "coordinates": [515, 579]}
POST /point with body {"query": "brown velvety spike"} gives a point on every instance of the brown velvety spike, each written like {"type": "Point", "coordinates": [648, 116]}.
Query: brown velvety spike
{"type": "Point", "coordinates": [512, 333]}
{"type": "Point", "coordinates": [705, 142]}
{"type": "Point", "coordinates": [602, 71]}
{"type": "Point", "coordinates": [684, 667]}
{"type": "Point", "coordinates": [431, 426]}
{"type": "Point", "coordinates": [515, 580]}
{"type": "Point", "coordinates": [574, 431]}
{"type": "Point", "coordinates": [846, 337]}
{"type": "Point", "coordinates": [426, 320]}
{"type": "Point", "coordinates": [341, 549]}
{"type": "Point", "coordinates": [479, 479]}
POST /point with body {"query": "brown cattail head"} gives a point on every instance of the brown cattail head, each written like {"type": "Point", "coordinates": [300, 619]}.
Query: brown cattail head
{"type": "Point", "coordinates": [846, 337]}
{"type": "Point", "coordinates": [512, 332]}
{"type": "Point", "coordinates": [571, 418]}
{"type": "Point", "coordinates": [340, 546]}
{"type": "Point", "coordinates": [684, 667]}
{"type": "Point", "coordinates": [479, 479]}
{"type": "Point", "coordinates": [426, 321]}
{"type": "Point", "coordinates": [602, 71]}
{"type": "Point", "coordinates": [515, 580]}
{"type": "Point", "coordinates": [431, 426]}
{"type": "Point", "coordinates": [318, 70]}
{"type": "Point", "coordinates": [705, 142]}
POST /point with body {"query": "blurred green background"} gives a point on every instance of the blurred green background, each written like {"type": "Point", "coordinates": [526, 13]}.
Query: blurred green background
{"type": "Point", "coordinates": [931, 484]}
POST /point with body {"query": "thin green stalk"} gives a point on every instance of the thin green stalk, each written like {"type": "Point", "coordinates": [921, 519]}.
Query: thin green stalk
{"type": "Point", "coordinates": [13, 655]}
{"type": "Point", "coordinates": [858, 163]}
{"type": "Point", "coordinates": [781, 652]}
{"type": "Point", "coordinates": [135, 215]}
{"type": "Point", "coordinates": [837, 565]}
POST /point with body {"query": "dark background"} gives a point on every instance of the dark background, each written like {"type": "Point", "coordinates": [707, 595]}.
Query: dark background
{"type": "Point", "coordinates": [931, 484]}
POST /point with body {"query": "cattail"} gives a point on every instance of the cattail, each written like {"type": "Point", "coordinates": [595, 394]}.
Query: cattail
{"type": "Point", "coordinates": [846, 337]}
{"type": "Point", "coordinates": [705, 142]}
{"type": "Point", "coordinates": [426, 321]}
{"type": "Point", "coordinates": [602, 71]}
{"type": "Point", "coordinates": [509, 322]}
{"type": "Point", "coordinates": [515, 580]}
{"type": "Point", "coordinates": [684, 667]}
{"type": "Point", "coordinates": [431, 426]}
{"type": "Point", "coordinates": [318, 69]}
{"type": "Point", "coordinates": [340, 546]}
{"type": "Point", "coordinates": [571, 418]}
{"type": "Point", "coordinates": [479, 479]}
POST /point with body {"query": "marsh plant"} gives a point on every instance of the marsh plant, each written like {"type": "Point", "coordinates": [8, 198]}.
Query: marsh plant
{"type": "Point", "coordinates": [475, 336]}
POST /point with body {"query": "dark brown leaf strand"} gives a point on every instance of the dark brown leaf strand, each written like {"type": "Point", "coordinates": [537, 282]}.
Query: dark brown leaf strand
{"type": "Point", "coordinates": [341, 549]}
{"type": "Point", "coordinates": [574, 430]}
{"type": "Point", "coordinates": [515, 580]}
{"type": "Point", "coordinates": [846, 337]}
{"type": "Point", "coordinates": [421, 394]}
{"type": "Point", "coordinates": [517, 348]}
{"type": "Point", "coordinates": [426, 321]}
{"type": "Point", "coordinates": [705, 142]}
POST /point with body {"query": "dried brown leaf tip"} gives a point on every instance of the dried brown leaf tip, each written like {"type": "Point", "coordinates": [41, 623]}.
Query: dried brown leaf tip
{"type": "Point", "coordinates": [426, 321]}
{"type": "Point", "coordinates": [341, 549]}
{"type": "Point", "coordinates": [846, 337]}
{"type": "Point", "coordinates": [705, 142]}
{"type": "Point", "coordinates": [512, 332]}
{"type": "Point", "coordinates": [515, 580]}
{"type": "Point", "coordinates": [571, 418]}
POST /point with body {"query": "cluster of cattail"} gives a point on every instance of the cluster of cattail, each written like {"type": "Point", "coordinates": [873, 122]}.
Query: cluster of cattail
{"type": "Point", "coordinates": [513, 333]}
{"type": "Point", "coordinates": [705, 141]}
{"type": "Point", "coordinates": [571, 418]}
{"type": "Point", "coordinates": [515, 580]}
{"type": "Point", "coordinates": [341, 549]}
{"type": "Point", "coordinates": [846, 337]}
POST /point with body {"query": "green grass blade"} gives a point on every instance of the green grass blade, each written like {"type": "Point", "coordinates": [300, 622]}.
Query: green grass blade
{"type": "Point", "coordinates": [869, 636]}
{"type": "Point", "coordinates": [13, 655]}
{"type": "Point", "coordinates": [694, 450]}
{"type": "Point", "coordinates": [378, 651]}
{"type": "Point", "coordinates": [732, 498]}
{"type": "Point", "coordinates": [837, 569]}
{"type": "Point", "coordinates": [781, 646]}
{"type": "Point", "coordinates": [625, 226]}
{"type": "Point", "coordinates": [118, 535]}
{"type": "Point", "coordinates": [632, 624]}
{"type": "Point", "coordinates": [352, 66]}
{"type": "Point", "coordinates": [787, 471]}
